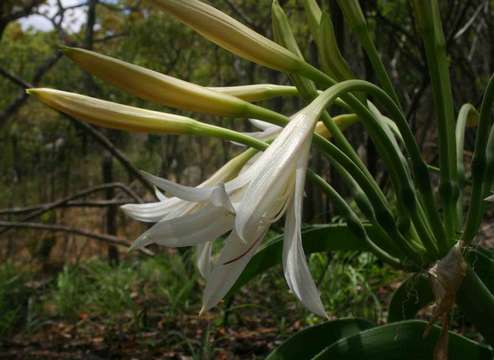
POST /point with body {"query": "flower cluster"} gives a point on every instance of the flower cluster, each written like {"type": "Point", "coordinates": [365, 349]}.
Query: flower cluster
{"type": "Point", "coordinates": [240, 202]}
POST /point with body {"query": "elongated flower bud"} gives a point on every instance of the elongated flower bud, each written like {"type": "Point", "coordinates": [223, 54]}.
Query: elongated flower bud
{"type": "Point", "coordinates": [112, 115]}
{"type": "Point", "coordinates": [116, 116]}
{"type": "Point", "coordinates": [257, 92]}
{"type": "Point", "coordinates": [230, 34]}
{"type": "Point", "coordinates": [151, 85]}
{"type": "Point", "coordinates": [342, 121]}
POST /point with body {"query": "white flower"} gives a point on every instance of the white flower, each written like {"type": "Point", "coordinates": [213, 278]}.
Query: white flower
{"type": "Point", "coordinates": [246, 206]}
{"type": "Point", "coordinates": [168, 209]}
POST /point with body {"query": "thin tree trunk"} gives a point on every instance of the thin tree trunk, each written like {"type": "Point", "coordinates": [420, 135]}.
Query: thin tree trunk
{"type": "Point", "coordinates": [111, 212]}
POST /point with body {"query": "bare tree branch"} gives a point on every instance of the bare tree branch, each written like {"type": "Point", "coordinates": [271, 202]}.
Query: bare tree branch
{"type": "Point", "coordinates": [96, 134]}
{"type": "Point", "coordinates": [108, 145]}
{"type": "Point", "coordinates": [22, 98]}
{"type": "Point", "coordinates": [48, 207]}
{"type": "Point", "coordinates": [113, 240]}
{"type": "Point", "coordinates": [93, 203]}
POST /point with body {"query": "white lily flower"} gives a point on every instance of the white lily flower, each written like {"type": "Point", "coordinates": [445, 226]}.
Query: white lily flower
{"type": "Point", "coordinates": [167, 209]}
{"type": "Point", "coordinates": [247, 205]}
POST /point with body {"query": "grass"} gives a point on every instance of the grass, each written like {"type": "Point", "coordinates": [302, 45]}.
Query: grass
{"type": "Point", "coordinates": [153, 303]}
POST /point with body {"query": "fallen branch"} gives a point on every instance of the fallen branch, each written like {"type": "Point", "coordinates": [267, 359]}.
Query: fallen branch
{"type": "Point", "coordinates": [82, 204]}
{"type": "Point", "coordinates": [48, 207]}
{"type": "Point", "coordinates": [113, 240]}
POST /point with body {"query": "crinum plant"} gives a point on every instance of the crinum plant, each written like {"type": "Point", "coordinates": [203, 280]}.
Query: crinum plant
{"type": "Point", "coordinates": [413, 226]}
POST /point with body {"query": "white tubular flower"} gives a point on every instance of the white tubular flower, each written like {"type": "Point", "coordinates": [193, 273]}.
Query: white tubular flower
{"type": "Point", "coordinates": [278, 186]}
{"type": "Point", "coordinates": [168, 209]}
{"type": "Point", "coordinates": [247, 205]}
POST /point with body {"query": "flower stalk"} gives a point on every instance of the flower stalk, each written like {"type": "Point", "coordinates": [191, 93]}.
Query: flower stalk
{"type": "Point", "coordinates": [430, 27]}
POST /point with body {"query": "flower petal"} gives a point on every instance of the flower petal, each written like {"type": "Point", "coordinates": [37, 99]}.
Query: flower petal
{"type": "Point", "coordinates": [204, 260]}
{"type": "Point", "coordinates": [216, 194]}
{"type": "Point", "coordinates": [263, 125]}
{"type": "Point", "coordinates": [232, 260]}
{"type": "Point", "coordinates": [204, 225]}
{"type": "Point", "coordinates": [157, 211]}
{"type": "Point", "coordinates": [268, 191]}
{"type": "Point", "coordinates": [295, 266]}
{"type": "Point", "coordinates": [159, 195]}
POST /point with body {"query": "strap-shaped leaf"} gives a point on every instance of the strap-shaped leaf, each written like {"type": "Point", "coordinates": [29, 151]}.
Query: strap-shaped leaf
{"type": "Point", "coordinates": [317, 238]}
{"type": "Point", "coordinates": [412, 295]}
{"type": "Point", "coordinates": [476, 301]}
{"type": "Point", "coordinates": [482, 261]}
{"type": "Point", "coordinates": [415, 293]}
{"type": "Point", "coordinates": [402, 341]}
{"type": "Point", "coordinates": [310, 341]}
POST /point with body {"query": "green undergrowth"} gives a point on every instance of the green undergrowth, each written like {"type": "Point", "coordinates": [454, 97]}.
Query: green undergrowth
{"type": "Point", "coordinates": [153, 293]}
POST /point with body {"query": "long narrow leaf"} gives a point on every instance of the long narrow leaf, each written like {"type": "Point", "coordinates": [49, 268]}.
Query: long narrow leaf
{"type": "Point", "coordinates": [409, 298]}
{"type": "Point", "coordinates": [309, 342]}
{"type": "Point", "coordinates": [402, 341]}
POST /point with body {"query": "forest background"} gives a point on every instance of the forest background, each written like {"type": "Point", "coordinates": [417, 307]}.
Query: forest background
{"type": "Point", "coordinates": [68, 286]}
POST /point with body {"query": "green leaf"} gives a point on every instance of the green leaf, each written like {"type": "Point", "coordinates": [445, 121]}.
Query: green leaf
{"type": "Point", "coordinates": [477, 303]}
{"type": "Point", "coordinates": [310, 341]}
{"type": "Point", "coordinates": [317, 238]}
{"type": "Point", "coordinates": [482, 262]}
{"type": "Point", "coordinates": [412, 295]}
{"type": "Point", "coordinates": [402, 341]}
{"type": "Point", "coordinates": [415, 293]}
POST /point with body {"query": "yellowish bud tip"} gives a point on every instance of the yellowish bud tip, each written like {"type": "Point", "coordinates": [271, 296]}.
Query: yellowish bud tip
{"type": "Point", "coordinates": [202, 311]}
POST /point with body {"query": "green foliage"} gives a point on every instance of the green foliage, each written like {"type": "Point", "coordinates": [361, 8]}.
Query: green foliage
{"type": "Point", "coordinates": [317, 238]}
{"type": "Point", "coordinates": [402, 340]}
{"type": "Point", "coordinates": [108, 292]}
{"type": "Point", "coordinates": [357, 339]}
{"type": "Point", "coordinates": [69, 292]}
{"type": "Point", "coordinates": [413, 294]}
{"type": "Point", "coordinates": [310, 341]}
{"type": "Point", "coordinates": [351, 284]}
{"type": "Point", "coordinates": [14, 298]}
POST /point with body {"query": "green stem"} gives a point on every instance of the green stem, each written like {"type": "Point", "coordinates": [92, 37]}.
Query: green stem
{"type": "Point", "coordinates": [420, 168]}
{"type": "Point", "coordinates": [430, 27]}
{"type": "Point", "coordinates": [355, 18]}
{"type": "Point", "coordinates": [353, 222]}
{"type": "Point", "coordinates": [479, 187]}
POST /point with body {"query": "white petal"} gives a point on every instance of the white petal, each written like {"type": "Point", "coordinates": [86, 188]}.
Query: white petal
{"type": "Point", "coordinates": [232, 260]}
{"type": "Point", "coordinates": [216, 194]}
{"type": "Point", "coordinates": [268, 191]}
{"type": "Point", "coordinates": [157, 211]}
{"type": "Point", "coordinates": [489, 198]}
{"type": "Point", "coordinates": [159, 195]}
{"type": "Point", "coordinates": [265, 135]}
{"type": "Point", "coordinates": [263, 125]}
{"type": "Point", "coordinates": [204, 225]}
{"type": "Point", "coordinates": [204, 260]}
{"type": "Point", "coordinates": [295, 266]}
{"type": "Point", "coordinates": [268, 131]}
